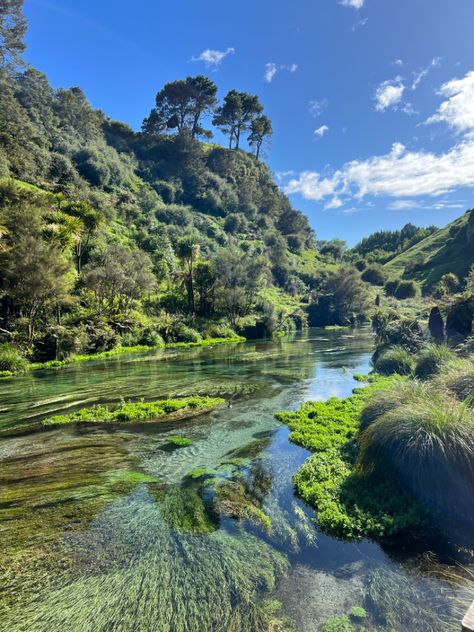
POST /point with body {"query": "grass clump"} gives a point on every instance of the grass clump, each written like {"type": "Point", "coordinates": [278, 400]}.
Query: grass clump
{"type": "Point", "coordinates": [11, 361]}
{"type": "Point", "coordinates": [426, 444]}
{"type": "Point", "coordinates": [349, 504]}
{"type": "Point", "coordinates": [395, 360]}
{"type": "Point", "coordinates": [432, 359]}
{"type": "Point", "coordinates": [357, 613]}
{"type": "Point", "coordinates": [137, 411]}
{"type": "Point", "coordinates": [457, 380]}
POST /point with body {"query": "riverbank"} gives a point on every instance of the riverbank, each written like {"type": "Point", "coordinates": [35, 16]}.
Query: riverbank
{"type": "Point", "coordinates": [113, 353]}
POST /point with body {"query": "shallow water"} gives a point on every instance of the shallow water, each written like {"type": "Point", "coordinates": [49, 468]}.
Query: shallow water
{"type": "Point", "coordinates": [106, 529]}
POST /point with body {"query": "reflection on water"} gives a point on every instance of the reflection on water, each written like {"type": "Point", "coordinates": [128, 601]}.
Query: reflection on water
{"type": "Point", "coordinates": [113, 530]}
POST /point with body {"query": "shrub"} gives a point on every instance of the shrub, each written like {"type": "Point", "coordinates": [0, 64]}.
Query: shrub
{"type": "Point", "coordinates": [374, 274]}
{"type": "Point", "coordinates": [406, 289]}
{"type": "Point", "coordinates": [432, 359]}
{"type": "Point", "coordinates": [11, 359]}
{"type": "Point", "coordinates": [183, 333]}
{"type": "Point", "coordinates": [427, 446]}
{"type": "Point", "coordinates": [219, 330]}
{"type": "Point", "coordinates": [395, 360]}
{"type": "Point", "coordinates": [391, 286]}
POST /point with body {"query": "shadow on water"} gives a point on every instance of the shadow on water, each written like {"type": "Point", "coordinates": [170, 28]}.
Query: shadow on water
{"type": "Point", "coordinates": [116, 529]}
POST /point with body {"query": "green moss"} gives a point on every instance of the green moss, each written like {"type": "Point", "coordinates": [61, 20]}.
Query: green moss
{"type": "Point", "coordinates": [137, 411]}
{"type": "Point", "coordinates": [348, 504]}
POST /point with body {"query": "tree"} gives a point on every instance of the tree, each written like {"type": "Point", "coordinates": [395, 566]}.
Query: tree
{"type": "Point", "coordinates": [470, 281]}
{"type": "Point", "coordinates": [205, 278]}
{"type": "Point", "coordinates": [342, 297]}
{"type": "Point", "coordinates": [236, 114]}
{"type": "Point", "coordinates": [12, 31]}
{"type": "Point", "coordinates": [260, 131]}
{"type": "Point", "coordinates": [181, 105]}
{"type": "Point", "coordinates": [187, 250]}
{"type": "Point", "coordinates": [35, 280]}
{"type": "Point", "coordinates": [118, 278]}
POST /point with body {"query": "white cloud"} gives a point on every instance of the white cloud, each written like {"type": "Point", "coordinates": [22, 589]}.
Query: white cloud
{"type": "Point", "coordinates": [334, 203]}
{"type": "Point", "coordinates": [321, 131]}
{"type": "Point", "coordinates": [400, 173]}
{"type": "Point", "coordinates": [389, 94]}
{"type": "Point", "coordinates": [397, 62]}
{"type": "Point", "coordinates": [213, 57]}
{"type": "Point", "coordinates": [458, 110]}
{"type": "Point", "coordinates": [355, 4]}
{"type": "Point", "coordinates": [316, 108]}
{"type": "Point", "coordinates": [421, 74]}
{"type": "Point", "coordinates": [271, 70]}
{"type": "Point", "coordinates": [403, 205]}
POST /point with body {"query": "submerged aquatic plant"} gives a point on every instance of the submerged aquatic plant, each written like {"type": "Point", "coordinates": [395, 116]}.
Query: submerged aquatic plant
{"type": "Point", "coordinates": [137, 411]}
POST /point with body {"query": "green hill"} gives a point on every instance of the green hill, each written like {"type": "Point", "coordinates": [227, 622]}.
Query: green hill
{"type": "Point", "coordinates": [449, 249]}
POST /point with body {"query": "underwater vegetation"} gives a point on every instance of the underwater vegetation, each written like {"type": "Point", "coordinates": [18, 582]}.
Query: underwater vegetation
{"type": "Point", "coordinates": [159, 410]}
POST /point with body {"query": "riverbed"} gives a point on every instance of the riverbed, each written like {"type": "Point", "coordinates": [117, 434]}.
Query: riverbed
{"type": "Point", "coordinates": [118, 529]}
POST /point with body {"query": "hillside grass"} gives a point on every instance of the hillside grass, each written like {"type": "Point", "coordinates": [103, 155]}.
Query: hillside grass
{"type": "Point", "coordinates": [442, 252]}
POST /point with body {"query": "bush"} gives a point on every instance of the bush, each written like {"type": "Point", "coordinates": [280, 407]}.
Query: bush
{"type": "Point", "coordinates": [183, 333]}
{"type": "Point", "coordinates": [11, 359]}
{"type": "Point", "coordinates": [374, 275]}
{"type": "Point", "coordinates": [338, 624]}
{"type": "Point", "coordinates": [395, 360]}
{"type": "Point", "coordinates": [432, 359]}
{"type": "Point", "coordinates": [406, 289]}
{"type": "Point", "coordinates": [219, 330]}
{"type": "Point", "coordinates": [426, 444]}
{"type": "Point", "coordinates": [391, 287]}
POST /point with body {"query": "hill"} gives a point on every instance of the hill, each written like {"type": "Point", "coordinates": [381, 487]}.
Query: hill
{"type": "Point", "coordinates": [447, 250]}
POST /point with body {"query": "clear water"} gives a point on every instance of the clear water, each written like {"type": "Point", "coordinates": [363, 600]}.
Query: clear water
{"type": "Point", "coordinates": [89, 544]}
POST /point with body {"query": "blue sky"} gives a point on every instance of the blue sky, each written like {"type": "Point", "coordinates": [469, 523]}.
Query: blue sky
{"type": "Point", "coordinates": [372, 101]}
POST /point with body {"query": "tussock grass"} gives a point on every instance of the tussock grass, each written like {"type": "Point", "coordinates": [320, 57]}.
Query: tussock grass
{"type": "Point", "coordinates": [395, 360]}
{"type": "Point", "coordinates": [457, 380]}
{"type": "Point", "coordinates": [432, 359]}
{"type": "Point", "coordinates": [11, 360]}
{"type": "Point", "coordinates": [427, 444]}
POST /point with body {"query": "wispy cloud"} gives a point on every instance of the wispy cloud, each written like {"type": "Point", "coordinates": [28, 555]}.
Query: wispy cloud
{"type": "Point", "coordinates": [458, 109]}
{"type": "Point", "coordinates": [321, 131]}
{"type": "Point", "coordinates": [403, 205]}
{"type": "Point", "coordinates": [355, 4]}
{"type": "Point", "coordinates": [360, 24]}
{"type": "Point", "coordinates": [271, 70]}
{"type": "Point", "coordinates": [316, 108]}
{"type": "Point", "coordinates": [213, 57]}
{"type": "Point", "coordinates": [389, 94]}
{"type": "Point", "coordinates": [419, 75]}
{"type": "Point", "coordinates": [397, 62]}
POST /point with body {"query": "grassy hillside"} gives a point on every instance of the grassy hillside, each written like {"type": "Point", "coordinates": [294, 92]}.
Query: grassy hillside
{"type": "Point", "coordinates": [449, 249]}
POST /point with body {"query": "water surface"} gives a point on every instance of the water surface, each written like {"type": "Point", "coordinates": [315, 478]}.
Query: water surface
{"type": "Point", "coordinates": [114, 529]}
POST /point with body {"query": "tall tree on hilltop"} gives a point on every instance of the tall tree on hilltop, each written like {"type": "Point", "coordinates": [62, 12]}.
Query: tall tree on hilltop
{"type": "Point", "coordinates": [12, 31]}
{"type": "Point", "coordinates": [181, 105]}
{"type": "Point", "coordinates": [260, 131]}
{"type": "Point", "coordinates": [236, 114]}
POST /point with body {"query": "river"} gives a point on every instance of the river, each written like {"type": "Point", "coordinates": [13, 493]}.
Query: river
{"type": "Point", "coordinates": [107, 529]}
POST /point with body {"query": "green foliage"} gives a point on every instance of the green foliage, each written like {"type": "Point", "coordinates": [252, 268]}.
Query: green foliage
{"type": "Point", "coordinates": [406, 289]}
{"type": "Point", "coordinates": [136, 411]}
{"type": "Point", "coordinates": [391, 286]}
{"type": "Point", "coordinates": [395, 360]}
{"type": "Point", "coordinates": [358, 613]}
{"type": "Point", "coordinates": [179, 441]}
{"type": "Point", "coordinates": [431, 359]}
{"type": "Point", "coordinates": [349, 504]}
{"type": "Point", "coordinates": [386, 244]}
{"type": "Point", "coordinates": [338, 624]}
{"type": "Point", "coordinates": [11, 360]}
{"type": "Point", "coordinates": [425, 442]}
{"type": "Point", "coordinates": [374, 274]}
